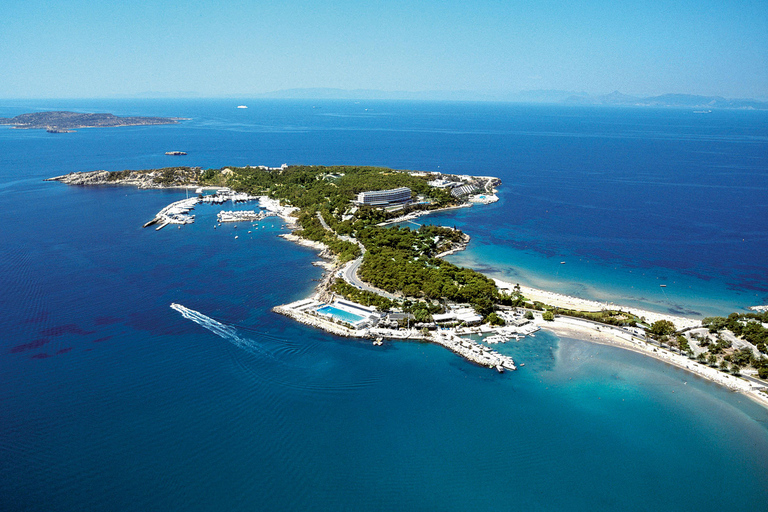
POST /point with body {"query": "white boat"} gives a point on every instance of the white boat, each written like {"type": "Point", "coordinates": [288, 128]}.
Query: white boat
{"type": "Point", "coordinates": [242, 106]}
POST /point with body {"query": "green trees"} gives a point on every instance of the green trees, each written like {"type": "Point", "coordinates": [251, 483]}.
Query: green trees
{"type": "Point", "coordinates": [400, 259]}
{"type": "Point", "coordinates": [549, 316]}
{"type": "Point", "coordinates": [363, 297]}
{"type": "Point", "coordinates": [610, 317]}
{"type": "Point", "coordinates": [397, 259]}
{"type": "Point", "coordinates": [495, 319]}
{"type": "Point", "coordinates": [662, 328]}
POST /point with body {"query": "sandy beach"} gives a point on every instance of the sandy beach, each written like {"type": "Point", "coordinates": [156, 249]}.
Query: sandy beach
{"type": "Point", "coordinates": [578, 329]}
{"type": "Point", "coordinates": [569, 302]}
{"type": "Point", "coordinates": [605, 334]}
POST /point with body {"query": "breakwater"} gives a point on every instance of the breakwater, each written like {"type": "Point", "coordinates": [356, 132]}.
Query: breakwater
{"type": "Point", "coordinates": [304, 311]}
{"type": "Point", "coordinates": [473, 351]}
{"type": "Point", "coordinates": [175, 213]}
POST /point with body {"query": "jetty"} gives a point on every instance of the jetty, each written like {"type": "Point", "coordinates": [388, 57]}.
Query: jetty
{"type": "Point", "coordinates": [473, 351]}
{"type": "Point", "coordinates": [175, 213]}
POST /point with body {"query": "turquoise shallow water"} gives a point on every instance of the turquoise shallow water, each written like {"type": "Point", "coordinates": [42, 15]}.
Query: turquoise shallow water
{"type": "Point", "coordinates": [110, 399]}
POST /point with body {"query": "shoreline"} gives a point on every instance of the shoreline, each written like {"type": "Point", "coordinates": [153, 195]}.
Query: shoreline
{"type": "Point", "coordinates": [586, 331]}
{"type": "Point", "coordinates": [576, 329]}
{"type": "Point", "coordinates": [421, 213]}
{"type": "Point", "coordinates": [569, 327]}
{"type": "Point", "coordinates": [579, 304]}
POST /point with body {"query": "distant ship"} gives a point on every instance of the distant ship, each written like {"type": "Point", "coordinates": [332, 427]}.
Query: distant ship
{"type": "Point", "coordinates": [702, 111]}
{"type": "Point", "coordinates": [175, 153]}
{"type": "Point", "coordinates": [242, 106]}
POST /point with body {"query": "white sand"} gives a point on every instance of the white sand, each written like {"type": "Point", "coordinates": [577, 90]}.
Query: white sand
{"type": "Point", "coordinates": [574, 328]}
{"type": "Point", "coordinates": [566, 301]}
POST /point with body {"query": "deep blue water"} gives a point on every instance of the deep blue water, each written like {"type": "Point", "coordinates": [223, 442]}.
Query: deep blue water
{"type": "Point", "coordinates": [109, 399]}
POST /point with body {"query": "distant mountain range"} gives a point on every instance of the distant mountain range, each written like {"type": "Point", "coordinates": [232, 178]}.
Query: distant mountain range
{"type": "Point", "coordinates": [539, 96]}
{"type": "Point", "coordinates": [535, 96]}
{"type": "Point", "coordinates": [668, 100]}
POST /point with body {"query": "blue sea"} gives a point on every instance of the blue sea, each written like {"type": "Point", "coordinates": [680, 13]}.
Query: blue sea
{"type": "Point", "coordinates": [111, 400]}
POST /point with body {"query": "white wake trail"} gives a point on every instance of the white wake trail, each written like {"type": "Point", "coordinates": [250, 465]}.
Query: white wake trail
{"type": "Point", "coordinates": [227, 332]}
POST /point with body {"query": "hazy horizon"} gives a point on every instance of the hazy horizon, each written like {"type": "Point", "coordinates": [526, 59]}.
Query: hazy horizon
{"type": "Point", "coordinates": [77, 49]}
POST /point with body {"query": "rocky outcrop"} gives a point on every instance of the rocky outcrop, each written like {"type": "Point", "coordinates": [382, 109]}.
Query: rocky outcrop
{"type": "Point", "coordinates": [157, 178]}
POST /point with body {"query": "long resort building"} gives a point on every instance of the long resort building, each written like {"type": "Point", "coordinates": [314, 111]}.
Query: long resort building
{"type": "Point", "coordinates": [400, 195]}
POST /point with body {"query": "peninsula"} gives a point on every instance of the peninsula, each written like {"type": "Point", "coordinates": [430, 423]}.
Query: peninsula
{"type": "Point", "coordinates": [388, 281]}
{"type": "Point", "coordinates": [62, 122]}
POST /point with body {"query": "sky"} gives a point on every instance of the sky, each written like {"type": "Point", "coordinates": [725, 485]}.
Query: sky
{"type": "Point", "coordinates": [212, 48]}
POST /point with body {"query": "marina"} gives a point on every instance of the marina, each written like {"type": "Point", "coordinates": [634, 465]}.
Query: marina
{"type": "Point", "coordinates": [178, 212]}
{"type": "Point", "coordinates": [243, 215]}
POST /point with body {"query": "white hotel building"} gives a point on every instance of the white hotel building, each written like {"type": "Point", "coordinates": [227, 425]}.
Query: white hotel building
{"type": "Point", "coordinates": [400, 195]}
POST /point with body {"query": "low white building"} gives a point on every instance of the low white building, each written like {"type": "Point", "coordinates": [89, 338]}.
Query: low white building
{"type": "Point", "coordinates": [465, 315]}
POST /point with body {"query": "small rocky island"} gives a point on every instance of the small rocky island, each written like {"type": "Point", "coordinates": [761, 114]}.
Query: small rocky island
{"type": "Point", "coordinates": [64, 122]}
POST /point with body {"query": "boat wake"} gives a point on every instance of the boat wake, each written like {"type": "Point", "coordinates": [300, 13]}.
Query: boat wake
{"type": "Point", "coordinates": [301, 366]}
{"type": "Point", "coordinates": [227, 332]}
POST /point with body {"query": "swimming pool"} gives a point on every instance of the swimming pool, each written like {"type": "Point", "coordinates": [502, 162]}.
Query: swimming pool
{"type": "Point", "coordinates": [340, 314]}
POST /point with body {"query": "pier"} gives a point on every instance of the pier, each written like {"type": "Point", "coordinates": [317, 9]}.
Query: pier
{"type": "Point", "coordinates": [175, 213]}
{"type": "Point", "coordinates": [473, 351]}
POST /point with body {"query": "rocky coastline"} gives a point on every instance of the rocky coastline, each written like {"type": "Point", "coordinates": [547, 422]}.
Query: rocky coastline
{"type": "Point", "coordinates": [156, 178]}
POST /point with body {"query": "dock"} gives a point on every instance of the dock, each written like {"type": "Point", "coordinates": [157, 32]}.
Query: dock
{"type": "Point", "coordinates": [473, 351]}
{"type": "Point", "coordinates": [243, 215]}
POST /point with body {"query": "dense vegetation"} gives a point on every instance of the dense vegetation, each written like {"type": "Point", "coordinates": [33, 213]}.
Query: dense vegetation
{"type": "Point", "coordinates": [313, 188]}
{"type": "Point", "coordinates": [747, 325]}
{"type": "Point", "coordinates": [398, 260]}
{"type": "Point", "coordinates": [617, 318]}
{"type": "Point", "coordinates": [363, 297]}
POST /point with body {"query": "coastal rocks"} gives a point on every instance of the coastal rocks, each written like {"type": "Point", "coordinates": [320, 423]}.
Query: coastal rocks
{"type": "Point", "coordinates": [83, 178]}
{"type": "Point", "coordinates": [157, 178]}
{"type": "Point", "coordinates": [306, 243]}
{"type": "Point", "coordinates": [456, 247]}
{"type": "Point", "coordinates": [107, 178]}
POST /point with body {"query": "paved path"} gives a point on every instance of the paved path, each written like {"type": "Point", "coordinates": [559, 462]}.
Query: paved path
{"type": "Point", "coordinates": [323, 223]}
{"type": "Point", "coordinates": [739, 343]}
{"type": "Point", "coordinates": [350, 276]}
